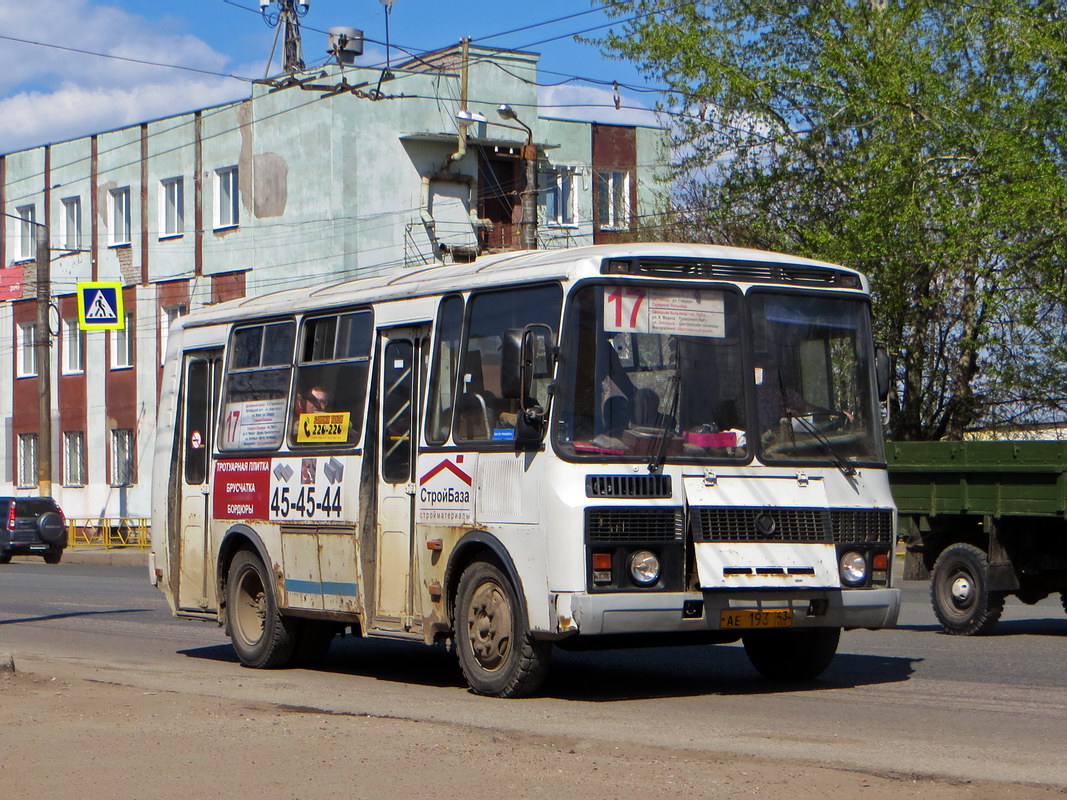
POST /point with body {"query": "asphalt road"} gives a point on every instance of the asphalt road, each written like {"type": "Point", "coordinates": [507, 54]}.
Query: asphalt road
{"type": "Point", "coordinates": [905, 701]}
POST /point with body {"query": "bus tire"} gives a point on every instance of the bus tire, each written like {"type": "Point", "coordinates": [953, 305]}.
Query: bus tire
{"type": "Point", "coordinates": [959, 592]}
{"type": "Point", "coordinates": [792, 655]}
{"type": "Point", "coordinates": [496, 652]}
{"type": "Point", "coordinates": [260, 635]}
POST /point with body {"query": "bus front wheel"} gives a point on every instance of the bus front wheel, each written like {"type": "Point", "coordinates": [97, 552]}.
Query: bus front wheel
{"type": "Point", "coordinates": [261, 636]}
{"type": "Point", "coordinates": [496, 652]}
{"type": "Point", "coordinates": [796, 655]}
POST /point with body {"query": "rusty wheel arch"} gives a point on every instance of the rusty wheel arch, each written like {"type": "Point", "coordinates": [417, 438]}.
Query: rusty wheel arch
{"type": "Point", "coordinates": [238, 537]}
{"type": "Point", "coordinates": [477, 545]}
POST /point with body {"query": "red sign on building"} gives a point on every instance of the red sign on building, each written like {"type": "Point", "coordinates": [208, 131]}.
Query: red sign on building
{"type": "Point", "coordinates": [11, 283]}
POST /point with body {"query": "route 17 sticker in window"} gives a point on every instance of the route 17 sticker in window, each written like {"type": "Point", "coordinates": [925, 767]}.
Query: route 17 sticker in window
{"type": "Point", "coordinates": [675, 312]}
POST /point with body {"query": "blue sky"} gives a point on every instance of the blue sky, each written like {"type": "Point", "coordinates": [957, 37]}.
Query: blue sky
{"type": "Point", "coordinates": [49, 94]}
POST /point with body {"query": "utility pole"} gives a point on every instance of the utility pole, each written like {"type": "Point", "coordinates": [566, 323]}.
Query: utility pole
{"type": "Point", "coordinates": [529, 192]}
{"type": "Point", "coordinates": [287, 19]}
{"type": "Point", "coordinates": [44, 362]}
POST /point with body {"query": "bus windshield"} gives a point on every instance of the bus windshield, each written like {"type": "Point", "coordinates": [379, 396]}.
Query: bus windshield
{"type": "Point", "coordinates": [710, 375]}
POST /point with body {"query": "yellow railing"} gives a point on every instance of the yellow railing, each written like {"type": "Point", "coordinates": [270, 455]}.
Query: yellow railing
{"type": "Point", "coordinates": [108, 532]}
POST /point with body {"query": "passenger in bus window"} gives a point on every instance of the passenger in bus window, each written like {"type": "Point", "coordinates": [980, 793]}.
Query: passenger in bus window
{"type": "Point", "coordinates": [314, 400]}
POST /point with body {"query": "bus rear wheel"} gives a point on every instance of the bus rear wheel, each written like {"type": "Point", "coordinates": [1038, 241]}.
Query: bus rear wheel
{"type": "Point", "coordinates": [796, 655]}
{"type": "Point", "coordinates": [261, 636]}
{"type": "Point", "coordinates": [496, 652]}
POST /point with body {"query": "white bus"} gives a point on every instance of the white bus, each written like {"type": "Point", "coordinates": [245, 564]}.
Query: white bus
{"type": "Point", "coordinates": [609, 446]}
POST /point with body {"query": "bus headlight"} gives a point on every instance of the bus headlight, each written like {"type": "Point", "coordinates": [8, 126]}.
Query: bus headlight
{"type": "Point", "coordinates": [853, 568]}
{"type": "Point", "coordinates": [644, 567]}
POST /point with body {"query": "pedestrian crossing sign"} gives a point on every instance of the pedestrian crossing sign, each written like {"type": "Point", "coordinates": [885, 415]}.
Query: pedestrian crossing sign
{"type": "Point", "coordinates": [100, 306]}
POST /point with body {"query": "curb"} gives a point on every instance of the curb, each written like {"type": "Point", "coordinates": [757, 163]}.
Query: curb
{"type": "Point", "coordinates": [109, 558]}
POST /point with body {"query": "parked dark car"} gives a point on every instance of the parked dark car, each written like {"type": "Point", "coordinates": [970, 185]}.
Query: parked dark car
{"type": "Point", "coordinates": [32, 526]}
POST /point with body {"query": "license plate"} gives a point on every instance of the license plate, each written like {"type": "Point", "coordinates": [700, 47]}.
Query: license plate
{"type": "Point", "coordinates": [748, 618]}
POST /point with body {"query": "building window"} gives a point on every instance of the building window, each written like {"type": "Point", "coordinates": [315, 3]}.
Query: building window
{"type": "Point", "coordinates": [122, 457]}
{"type": "Point", "coordinates": [27, 349]}
{"type": "Point", "coordinates": [73, 347]}
{"type": "Point", "coordinates": [560, 196]}
{"type": "Point", "coordinates": [27, 460]}
{"type": "Point", "coordinates": [70, 235]}
{"type": "Point", "coordinates": [226, 198]}
{"type": "Point", "coordinates": [122, 340]}
{"type": "Point", "coordinates": [167, 315]}
{"type": "Point", "coordinates": [171, 207]}
{"type": "Point", "coordinates": [613, 199]}
{"type": "Point", "coordinates": [120, 216]}
{"type": "Point", "coordinates": [74, 458]}
{"type": "Point", "coordinates": [27, 239]}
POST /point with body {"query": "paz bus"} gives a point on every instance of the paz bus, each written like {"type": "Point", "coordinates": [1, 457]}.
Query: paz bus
{"type": "Point", "coordinates": [608, 446]}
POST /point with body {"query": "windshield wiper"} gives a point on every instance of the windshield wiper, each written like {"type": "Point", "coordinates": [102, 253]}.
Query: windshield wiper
{"type": "Point", "coordinates": [842, 463]}
{"type": "Point", "coordinates": [666, 422]}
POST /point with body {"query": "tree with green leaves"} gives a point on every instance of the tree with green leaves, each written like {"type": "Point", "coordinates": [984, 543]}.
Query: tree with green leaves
{"type": "Point", "coordinates": [923, 142]}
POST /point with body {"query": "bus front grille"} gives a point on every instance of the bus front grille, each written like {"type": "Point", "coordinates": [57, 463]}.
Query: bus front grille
{"type": "Point", "coordinates": [617, 525]}
{"type": "Point", "coordinates": [797, 525]}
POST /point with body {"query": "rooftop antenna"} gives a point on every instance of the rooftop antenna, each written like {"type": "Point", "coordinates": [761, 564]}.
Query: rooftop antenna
{"type": "Point", "coordinates": [286, 18]}
{"type": "Point", "coordinates": [387, 74]}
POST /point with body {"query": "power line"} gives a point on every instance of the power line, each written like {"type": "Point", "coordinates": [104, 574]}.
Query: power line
{"type": "Point", "coordinates": [114, 57]}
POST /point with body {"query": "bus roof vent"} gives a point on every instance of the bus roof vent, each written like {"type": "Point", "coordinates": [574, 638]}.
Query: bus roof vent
{"type": "Point", "coordinates": [732, 270]}
{"type": "Point", "coordinates": [628, 486]}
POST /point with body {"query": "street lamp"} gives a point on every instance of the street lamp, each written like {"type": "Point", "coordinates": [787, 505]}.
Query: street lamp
{"type": "Point", "coordinates": [529, 193]}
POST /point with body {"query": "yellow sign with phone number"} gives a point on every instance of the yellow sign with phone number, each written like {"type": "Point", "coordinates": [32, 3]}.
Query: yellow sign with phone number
{"type": "Point", "coordinates": [329, 428]}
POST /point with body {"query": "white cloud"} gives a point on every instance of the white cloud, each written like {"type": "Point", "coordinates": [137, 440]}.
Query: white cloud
{"type": "Point", "coordinates": [49, 95]}
{"type": "Point", "coordinates": [592, 104]}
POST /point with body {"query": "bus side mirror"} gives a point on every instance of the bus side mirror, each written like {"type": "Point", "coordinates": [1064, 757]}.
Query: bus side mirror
{"type": "Point", "coordinates": [526, 364]}
{"type": "Point", "coordinates": [883, 371]}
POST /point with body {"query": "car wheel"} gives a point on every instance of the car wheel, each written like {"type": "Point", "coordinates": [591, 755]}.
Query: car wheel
{"type": "Point", "coordinates": [53, 556]}
{"type": "Point", "coordinates": [5, 558]}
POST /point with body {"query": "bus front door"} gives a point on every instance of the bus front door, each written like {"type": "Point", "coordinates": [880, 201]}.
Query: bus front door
{"type": "Point", "coordinates": [399, 379]}
{"type": "Point", "coordinates": [201, 371]}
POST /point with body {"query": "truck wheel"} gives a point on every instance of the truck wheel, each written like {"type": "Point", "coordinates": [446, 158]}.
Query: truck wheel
{"type": "Point", "coordinates": [496, 652]}
{"type": "Point", "coordinates": [959, 591]}
{"type": "Point", "coordinates": [796, 655]}
{"type": "Point", "coordinates": [261, 636]}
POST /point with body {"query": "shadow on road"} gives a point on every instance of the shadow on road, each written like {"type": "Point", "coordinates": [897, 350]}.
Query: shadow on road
{"type": "Point", "coordinates": [602, 676]}
{"type": "Point", "coordinates": [1011, 627]}
{"type": "Point", "coordinates": [68, 615]}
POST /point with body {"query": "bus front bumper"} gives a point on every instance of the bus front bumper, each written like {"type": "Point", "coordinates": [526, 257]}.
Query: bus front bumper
{"type": "Point", "coordinates": [679, 612]}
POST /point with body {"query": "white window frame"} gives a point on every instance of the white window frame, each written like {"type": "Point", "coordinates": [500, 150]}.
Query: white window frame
{"type": "Point", "coordinates": [27, 238]}
{"type": "Point", "coordinates": [70, 234]}
{"type": "Point", "coordinates": [561, 184]}
{"type": "Point", "coordinates": [613, 185]}
{"type": "Point", "coordinates": [74, 467]}
{"type": "Point", "coordinates": [171, 207]}
{"type": "Point", "coordinates": [73, 347]}
{"type": "Point", "coordinates": [227, 198]}
{"type": "Point", "coordinates": [27, 461]}
{"type": "Point", "coordinates": [27, 350]}
{"type": "Point", "coordinates": [123, 344]}
{"type": "Point", "coordinates": [122, 457]}
{"type": "Point", "coordinates": [120, 232]}
{"type": "Point", "coordinates": [167, 315]}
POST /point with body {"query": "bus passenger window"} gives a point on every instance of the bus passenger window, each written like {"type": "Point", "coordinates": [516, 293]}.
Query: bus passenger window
{"type": "Point", "coordinates": [484, 415]}
{"type": "Point", "coordinates": [441, 397]}
{"type": "Point", "coordinates": [257, 383]}
{"type": "Point", "coordinates": [331, 380]}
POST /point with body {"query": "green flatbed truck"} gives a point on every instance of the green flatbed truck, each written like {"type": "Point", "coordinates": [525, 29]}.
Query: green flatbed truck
{"type": "Point", "coordinates": [982, 520]}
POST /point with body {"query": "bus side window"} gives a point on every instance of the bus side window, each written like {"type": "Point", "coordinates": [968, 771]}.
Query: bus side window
{"type": "Point", "coordinates": [332, 373]}
{"type": "Point", "coordinates": [484, 414]}
{"type": "Point", "coordinates": [257, 384]}
{"type": "Point", "coordinates": [442, 395]}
